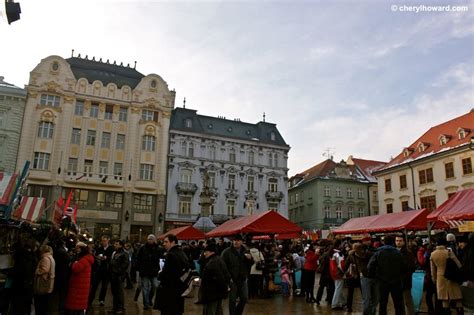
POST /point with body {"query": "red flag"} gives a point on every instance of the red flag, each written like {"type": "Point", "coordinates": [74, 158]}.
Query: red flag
{"type": "Point", "coordinates": [75, 214]}
{"type": "Point", "coordinates": [58, 210]}
{"type": "Point", "coordinates": [68, 201]}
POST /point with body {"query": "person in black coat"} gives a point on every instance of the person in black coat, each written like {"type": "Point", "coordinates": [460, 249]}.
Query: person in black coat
{"type": "Point", "coordinates": [168, 298]}
{"type": "Point", "coordinates": [118, 268]}
{"type": "Point", "coordinates": [103, 255]}
{"type": "Point", "coordinates": [410, 263]}
{"type": "Point", "coordinates": [61, 281]}
{"type": "Point", "coordinates": [148, 266]}
{"type": "Point", "coordinates": [23, 275]}
{"type": "Point", "coordinates": [215, 281]}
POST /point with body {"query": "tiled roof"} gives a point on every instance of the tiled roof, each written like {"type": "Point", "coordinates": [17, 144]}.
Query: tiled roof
{"type": "Point", "coordinates": [431, 140]}
{"type": "Point", "coordinates": [105, 72]}
{"type": "Point", "coordinates": [259, 132]}
{"type": "Point", "coordinates": [319, 170]}
{"type": "Point", "coordinates": [368, 167]}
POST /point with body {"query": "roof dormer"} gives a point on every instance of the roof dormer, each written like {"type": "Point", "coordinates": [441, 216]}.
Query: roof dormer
{"type": "Point", "coordinates": [422, 146]}
{"type": "Point", "coordinates": [443, 139]}
{"type": "Point", "coordinates": [408, 151]}
{"type": "Point", "coordinates": [462, 132]}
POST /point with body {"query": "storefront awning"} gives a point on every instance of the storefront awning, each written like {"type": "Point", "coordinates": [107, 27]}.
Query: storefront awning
{"type": "Point", "coordinates": [460, 207]}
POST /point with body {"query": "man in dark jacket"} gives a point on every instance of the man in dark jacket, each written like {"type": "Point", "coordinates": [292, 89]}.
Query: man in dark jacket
{"type": "Point", "coordinates": [215, 281]}
{"type": "Point", "coordinates": [118, 269]}
{"type": "Point", "coordinates": [168, 299]}
{"type": "Point", "coordinates": [237, 262]}
{"type": "Point", "coordinates": [410, 262]}
{"type": "Point", "coordinates": [387, 266]}
{"type": "Point", "coordinates": [148, 265]}
{"type": "Point", "coordinates": [103, 255]}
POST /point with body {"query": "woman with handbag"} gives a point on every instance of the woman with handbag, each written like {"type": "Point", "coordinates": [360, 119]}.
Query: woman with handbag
{"type": "Point", "coordinates": [256, 272]}
{"type": "Point", "coordinates": [447, 290]}
{"type": "Point", "coordinates": [44, 280]}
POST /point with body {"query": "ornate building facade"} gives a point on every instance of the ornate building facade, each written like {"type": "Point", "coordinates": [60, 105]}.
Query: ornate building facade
{"type": "Point", "coordinates": [428, 171]}
{"type": "Point", "coordinates": [100, 129]}
{"type": "Point", "coordinates": [12, 106]}
{"type": "Point", "coordinates": [246, 164]}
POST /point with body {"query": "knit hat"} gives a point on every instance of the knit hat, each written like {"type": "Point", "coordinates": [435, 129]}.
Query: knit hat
{"type": "Point", "coordinates": [450, 237]}
{"type": "Point", "coordinates": [151, 237]}
{"type": "Point", "coordinates": [238, 237]}
{"type": "Point", "coordinates": [211, 248]}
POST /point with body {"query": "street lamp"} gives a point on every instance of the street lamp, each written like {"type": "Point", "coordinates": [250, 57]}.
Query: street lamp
{"type": "Point", "coordinates": [140, 236]}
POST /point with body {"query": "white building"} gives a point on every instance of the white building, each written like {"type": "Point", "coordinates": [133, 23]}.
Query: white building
{"type": "Point", "coordinates": [246, 163]}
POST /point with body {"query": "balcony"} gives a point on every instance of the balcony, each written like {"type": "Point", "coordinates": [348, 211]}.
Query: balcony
{"type": "Point", "coordinates": [335, 221]}
{"type": "Point", "coordinates": [186, 188]}
{"type": "Point", "coordinates": [274, 195]}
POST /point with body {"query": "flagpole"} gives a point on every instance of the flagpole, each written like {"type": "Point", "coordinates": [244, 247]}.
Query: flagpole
{"type": "Point", "coordinates": [17, 187]}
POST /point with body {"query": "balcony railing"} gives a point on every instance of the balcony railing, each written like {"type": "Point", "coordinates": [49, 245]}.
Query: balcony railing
{"type": "Point", "coordinates": [274, 195]}
{"type": "Point", "coordinates": [186, 188]}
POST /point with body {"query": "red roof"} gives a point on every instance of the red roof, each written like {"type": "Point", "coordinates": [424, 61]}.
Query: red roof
{"type": "Point", "coordinates": [431, 139]}
{"type": "Point", "coordinates": [269, 222]}
{"type": "Point", "coordinates": [321, 169]}
{"type": "Point", "coordinates": [367, 167]}
{"type": "Point", "coordinates": [185, 233]}
{"type": "Point", "coordinates": [459, 207]}
{"type": "Point", "coordinates": [413, 220]}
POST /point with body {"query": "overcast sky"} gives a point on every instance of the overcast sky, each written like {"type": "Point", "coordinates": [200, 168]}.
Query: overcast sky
{"type": "Point", "coordinates": [360, 77]}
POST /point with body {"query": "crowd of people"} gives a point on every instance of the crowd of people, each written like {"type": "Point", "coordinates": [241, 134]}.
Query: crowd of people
{"type": "Point", "coordinates": [64, 278]}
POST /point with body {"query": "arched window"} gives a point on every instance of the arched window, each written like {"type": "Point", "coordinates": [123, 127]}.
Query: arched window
{"type": "Point", "coordinates": [189, 123]}
{"type": "Point", "coordinates": [45, 130]}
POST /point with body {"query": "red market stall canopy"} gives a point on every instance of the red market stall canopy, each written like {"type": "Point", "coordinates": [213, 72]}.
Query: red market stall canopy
{"type": "Point", "coordinates": [460, 207]}
{"type": "Point", "coordinates": [7, 185]}
{"type": "Point", "coordinates": [185, 233]}
{"type": "Point", "coordinates": [413, 220]}
{"type": "Point", "coordinates": [288, 236]}
{"type": "Point", "coordinates": [269, 222]}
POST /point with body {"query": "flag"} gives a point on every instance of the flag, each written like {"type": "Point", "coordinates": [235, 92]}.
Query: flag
{"type": "Point", "coordinates": [58, 210]}
{"type": "Point", "coordinates": [75, 213]}
{"type": "Point", "coordinates": [7, 185]}
{"type": "Point", "coordinates": [68, 201]}
{"type": "Point", "coordinates": [31, 209]}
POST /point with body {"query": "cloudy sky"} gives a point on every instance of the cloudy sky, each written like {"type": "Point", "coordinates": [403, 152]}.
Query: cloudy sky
{"type": "Point", "coordinates": [364, 78]}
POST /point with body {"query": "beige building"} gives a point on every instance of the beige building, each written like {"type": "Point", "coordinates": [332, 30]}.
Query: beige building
{"type": "Point", "coordinates": [431, 169]}
{"type": "Point", "coordinates": [101, 129]}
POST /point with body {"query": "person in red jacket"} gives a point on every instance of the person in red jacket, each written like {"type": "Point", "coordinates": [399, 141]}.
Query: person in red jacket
{"type": "Point", "coordinates": [308, 273]}
{"type": "Point", "coordinates": [79, 282]}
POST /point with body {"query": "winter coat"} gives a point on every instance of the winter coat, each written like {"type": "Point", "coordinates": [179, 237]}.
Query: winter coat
{"type": "Point", "coordinates": [148, 260]}
{"type": "Point", "coordinates": [62, 259]}
{"type": "Point", "coordinates": [23, 271]}
{"type": "Point", "coordinates": [79, 284]}
{"type": "Point", "coordinates": [45, 268]}
{"type": "Point", "coordinates": [387, 265]}
{"type": "Point", "coordinates": [256, 256]}
{"type": "Point", "coordinates": [360, 259]}
{"type": "Point", "coordinates": [446, 289]}
{"type": "Point", "coordinates": [311, 260]}
{"type": "Point", "coordinates": [215, 280]}
{"type": "Point", "coordinates": [410, 262]}
{"type": "Point", "coordinates": [119, 264]}
{"type": "Point", "coordinates": [236, 263]}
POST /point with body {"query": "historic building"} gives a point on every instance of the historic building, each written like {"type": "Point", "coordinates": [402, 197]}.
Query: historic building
{"type": "Point", "coordinates": [329, 193]}
{"type": "Point", "coordinates": [428, 171]}
{"type": "Point", "coordinates": [12, 106]}
{"type": "Point", "coordinates": [246, 164]}
{"type": "Point", "coordinates": [101, 129]}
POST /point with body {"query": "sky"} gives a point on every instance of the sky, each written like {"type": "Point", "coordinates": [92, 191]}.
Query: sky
{"type": "Point", "coordinates": [362, 78]}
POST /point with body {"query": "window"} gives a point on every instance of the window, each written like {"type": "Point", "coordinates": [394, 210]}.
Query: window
{"type": "Point", "coordinates": [80, 197]}
{"type": "Point", "coordinates": [109, 200]}
{"type": "Point", "coordinates": [449, 170]}
{"type": "Point", "coordinates": [149, 115]}
{"type": "Point", "coordinates": [72, 166]}
{"type": "Point", "coordinates": [118, 168]}
{"type": "Point", "coordinates": [273, 206]}
{"type": "Point", "coordinates": [94, 111]}
{"type": "Point", "coordinates": [105, 143]}
{"type": "Point", "coordinates": [185, 176]}
{"type": "Point", "coordinates": [90, 137]}
{"type": "Point", "coordinates": [88, 164]}
{"type": "Point", "coordinates": [143, 202]}
{"type": "Point", "coordinates": [466, 166]}
{"type": "Point", "coordinates": [360, 193]}
{"type": "Point", "coordinates": [250, 183]}
{"type": "Point", "coordinates": [251, 157]}
{"type": "Point", "coordinates": [272, 136]}
{"type": "Point", "coordinates": [41, 161]}
{"type": "Point", "coordinates": [426, 176]}
{"type": "Point", "coordinates": [103, 168]}
{"type": "Point", "coordinates": [275, 160]}
{"type": "Point", "coordinates": [189, 123]}
{"type": "Point", "coordinates": [212, 179]}
{"type": "Point", "coordinates": [120, 143]}
{"type": "Point", "coordinates": [388, 185]}
{"type": "Point", "coordinates": [338, 213]}
{"type": "Point", "coordinates": [327, 212]}
{"type": "Point", "coordinates": [461, 134]}
{"type": "Point", "coordinates": [272, 185]}
{"type": "Point", "coordinates": [230, 207]}
{"type": "Point", "coordinates": [338, 191]}
{"type": "Point", "coordinates": [349, 192]}
{"type": "Point", "coordinates": [428, 202]}
{"type": "Point", "coordinates": [49, 100]}
{"type": "Point", "coordinates": [374, 196]}
{"type": "Point", "coordinates": [185, 205]}
{"type": "Point", "coordinates": [389, 208]}
{"type": "Point", "coordinates": [270, 159]}
{"type": "Point", "coordinates": [232, 155]}
{"type": "Point", "coordinates": [148, 143]}
{"type": "Point", "coordinates": [327, 191]}
{"type": "Point", "coordinates": [123, 114]}
{"type": "Point", "coordinates": [350, 212]}
{"type": "Point", "coordinates": [79, 108]}
{"type": "Point", "coordinates": [403, 181]}
{"type": "Point", "coordinates": [45, 130]}
{"type": "Point", "coordinates": [146, 171]}
{"type": "Point", "coordinates": [297, 197]}
{"type": "Point", "coordinates": [190, 150]}
{"type": "Point", "coordinates": [3, 118]}
{"type": "Point", "coordinates": [212, 152]}
{"type": "Point", "coordinates": [76, 136]}
{"type": "Point", "coordinates": [187, 148]}
{"type": "Point", "coordinates": [231, 181]}
{"type": "Point", "coordinates": [405, 206]}
{"type": "Point", "coordinates": [361, 212]}
{"type": "Point", "coordinates": [109, 112]}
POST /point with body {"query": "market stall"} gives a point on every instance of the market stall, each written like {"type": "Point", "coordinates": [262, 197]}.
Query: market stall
{"type": "Point", "coordinates": [455, 211]}
{"type": "Point", "coordinates": [265, 223]}
{"type": "Point", "coordinates": [185, 233]}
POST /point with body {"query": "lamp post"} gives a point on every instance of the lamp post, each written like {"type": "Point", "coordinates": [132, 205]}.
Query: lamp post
{"type": "Point", "coordinates": [140, 236]}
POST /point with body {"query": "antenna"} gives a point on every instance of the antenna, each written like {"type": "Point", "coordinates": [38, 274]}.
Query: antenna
{"type": "Point", "coordinates": [184, 103]}
{"type": "Point", "coordinates": [329, 152]}
{"type": "Point", "coordinates": [263, 116]}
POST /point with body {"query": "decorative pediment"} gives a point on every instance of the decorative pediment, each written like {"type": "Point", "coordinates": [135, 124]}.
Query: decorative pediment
{"type": "Point", "coordinates": [47, 115]}
{"type": "Point", "coordinates": [150, 130]}
{"type": "Point", "coordinates": [212, 167]}
{"type": "Point", "coordinates": [273, 174]}
{"type": "Point", "coordinates": [152, 103]}
{"type": "Point", "coordinates": [251, 172]}
{"type": "Point", "coordinates": [232, 169]}
{"type": "Point", "coordinates": [231, 194]}
{"type": "Point", "coordinates": [52, 86]}
{"type": "Point", "coordinates": [427, 192]}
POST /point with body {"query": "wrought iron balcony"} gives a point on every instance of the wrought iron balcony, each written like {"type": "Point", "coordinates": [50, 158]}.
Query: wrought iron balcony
{"type": "Point", "coordinates": [274, 195]}
{"type": "Point", "coordinates": [186, 188]}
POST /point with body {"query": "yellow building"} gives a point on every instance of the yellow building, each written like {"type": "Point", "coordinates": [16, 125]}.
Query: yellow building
{"type": "Point", "coordinates": [101, 129]}
{"type": "Point", "coordinates": [431, 169]}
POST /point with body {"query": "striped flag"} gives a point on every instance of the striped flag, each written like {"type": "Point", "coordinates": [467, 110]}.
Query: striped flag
{"type": "Point", "coordinates": [31, 209]}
